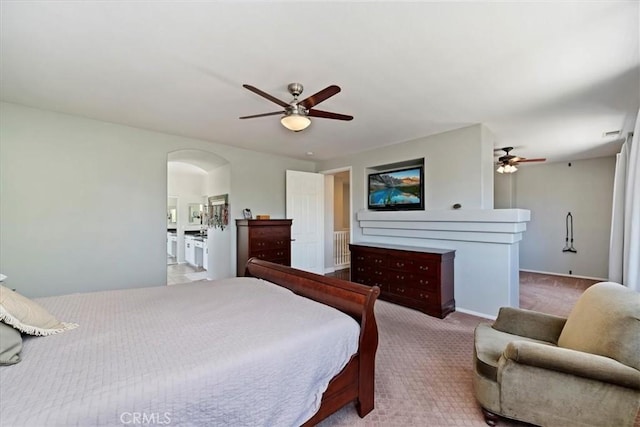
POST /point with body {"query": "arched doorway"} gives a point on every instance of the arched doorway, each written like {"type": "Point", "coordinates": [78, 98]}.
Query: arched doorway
{"type": "Point", "coordinates": [195, 251]}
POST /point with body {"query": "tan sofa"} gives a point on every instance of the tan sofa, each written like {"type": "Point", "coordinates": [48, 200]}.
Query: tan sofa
{"type": "Point", "coordinates": [550, 371]}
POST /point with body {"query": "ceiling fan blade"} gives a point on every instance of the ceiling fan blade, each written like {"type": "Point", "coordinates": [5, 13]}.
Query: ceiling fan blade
{"type": "Point", "coordinates": [317, 98]}
{"type": "Point", "coordinates": [262, 115]}
{"type": "Point", "coordinates": [329, 115]}
{"type": "Point", "coordinates": [531, 160]}
{"type": "Point", "coordinates": [265, 95]}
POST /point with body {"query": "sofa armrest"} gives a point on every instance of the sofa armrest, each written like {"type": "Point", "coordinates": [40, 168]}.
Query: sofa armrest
{"type": "Point", "coordinates": [530, 324]}
{"type": "Point", "coordinates": [573, 362]}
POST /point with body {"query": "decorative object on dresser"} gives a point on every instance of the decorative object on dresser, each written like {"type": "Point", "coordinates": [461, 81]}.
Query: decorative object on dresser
{"type": "Point", "coordinates": [418, 278]}
{"type": "Point", "coordinates": [269, 240]}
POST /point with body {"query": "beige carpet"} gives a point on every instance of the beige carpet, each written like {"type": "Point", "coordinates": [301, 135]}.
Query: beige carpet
{"type": "Point", "coordinates": [423, 372]}
{"type": "Point", "coordinates": [424, 364]}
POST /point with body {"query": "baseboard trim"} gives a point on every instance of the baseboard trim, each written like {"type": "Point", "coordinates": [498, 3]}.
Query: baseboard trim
{"type": "Point", "coordinates": [564, 275]}
{"type": "Point", "coordinates": [475, 313]}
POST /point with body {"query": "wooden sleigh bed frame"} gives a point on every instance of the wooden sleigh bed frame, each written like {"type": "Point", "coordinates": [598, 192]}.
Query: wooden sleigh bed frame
{"type": "Point", "coordinates": [356, 381]}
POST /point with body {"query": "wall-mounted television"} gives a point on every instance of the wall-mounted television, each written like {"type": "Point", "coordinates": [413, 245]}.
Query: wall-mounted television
{"type": "Point", "coordinates": [399, 189]}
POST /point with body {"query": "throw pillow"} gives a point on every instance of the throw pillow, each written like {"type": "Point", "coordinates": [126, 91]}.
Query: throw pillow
{"type": "Point", "coordinates": [28, 316]}
{"type": "Point", "coordinates": [10, 345]}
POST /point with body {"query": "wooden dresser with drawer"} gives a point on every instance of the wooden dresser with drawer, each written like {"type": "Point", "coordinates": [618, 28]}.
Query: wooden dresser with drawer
{"type": "Point", "coordinates": [419, 278]}
{"type": "Point", "coordinates": [267, 239]}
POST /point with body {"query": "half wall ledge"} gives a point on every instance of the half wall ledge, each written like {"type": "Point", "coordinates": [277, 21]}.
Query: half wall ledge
{"type": "Point", "coordinates": [486, 242]}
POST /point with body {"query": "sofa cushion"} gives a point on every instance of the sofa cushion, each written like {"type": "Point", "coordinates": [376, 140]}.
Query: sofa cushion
{"type": "Point", "coordinates": [605, 321]}
{"type": "Point", "coordinates": [530, 324]}
{"type": "Point", "coordinates": [489, 346]}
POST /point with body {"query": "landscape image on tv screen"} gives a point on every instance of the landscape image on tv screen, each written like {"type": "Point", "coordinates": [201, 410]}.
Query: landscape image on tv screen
{"type": "Point", "coordinates": [400, 189]}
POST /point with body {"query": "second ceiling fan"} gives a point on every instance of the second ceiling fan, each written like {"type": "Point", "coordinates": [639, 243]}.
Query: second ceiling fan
{"type": "Point", "coordinates": [507, 163]}
{"type": "Point", "coordinates": [296, 113]}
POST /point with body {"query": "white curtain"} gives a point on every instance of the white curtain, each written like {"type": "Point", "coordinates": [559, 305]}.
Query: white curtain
{"type": "Point", "coordinates": [624, 246]}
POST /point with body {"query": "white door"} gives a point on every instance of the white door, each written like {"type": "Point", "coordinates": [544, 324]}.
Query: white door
{"type": "Point", "coordinates": [305, 206]}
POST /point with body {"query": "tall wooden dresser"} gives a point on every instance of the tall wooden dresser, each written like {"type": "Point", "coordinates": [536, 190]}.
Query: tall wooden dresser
{"type": "Point", "coordinates": [267, 239]}
{"type": "Point", "coordinates": [419, 278]}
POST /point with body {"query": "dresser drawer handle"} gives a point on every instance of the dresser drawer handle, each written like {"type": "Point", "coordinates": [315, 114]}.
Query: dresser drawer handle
{"type": "Point", "coordinates": [400, 290]}
{"type": "Point", "coordinates": [400, 277]}
{"type": "Point", "coordinates": [424, 267]}
{"type": "Point", "coordinates": [399, 264]}
{"type": "Point", "coordinates": [424, 282]}
{"type": "Point", "coordinates": [425, 296]}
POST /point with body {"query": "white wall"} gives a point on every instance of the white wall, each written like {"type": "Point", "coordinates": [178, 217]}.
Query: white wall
{"type": "Point", "coordinates": [504, 196]}
{"type": "Point", "coordinates": [454, 171]}
{"type": "Point", "coordinates": [346, 205]}
{"type": "Point", "coordinates": [341, 204]}
{"type": "Point", "coordinates": [552, 190]}
{"type": "Point", "coordinates": [218, 181]}
{"type": "Point", "coordinates": [329, 221]}
{"type": "Point", "coordinates": [83, 202]}
{"type": "Point", "coordinates": [221, 261]}
{"type": "Point", "coordinates": [338, 204]}
{"type": "Point", "coordinates": [185, 179]}
{"type": "Point", "coordinates": [487, 167]}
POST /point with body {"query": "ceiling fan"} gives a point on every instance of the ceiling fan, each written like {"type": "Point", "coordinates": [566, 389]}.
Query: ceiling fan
{"type": "Point", "coordinates": [297, 113]}
{"type": "Point", "coordinates": [507, 163]}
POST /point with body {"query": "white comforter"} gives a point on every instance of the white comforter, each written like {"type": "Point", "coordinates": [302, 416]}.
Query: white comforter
{"type": "Point", "coordinates": [235, 352]}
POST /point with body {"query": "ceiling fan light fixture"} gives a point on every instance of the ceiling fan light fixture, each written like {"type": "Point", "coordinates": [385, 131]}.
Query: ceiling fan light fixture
{"type": "Point", "coordinates": [295, 122]}
{"type": "Point", "coordinates": [506, 169]}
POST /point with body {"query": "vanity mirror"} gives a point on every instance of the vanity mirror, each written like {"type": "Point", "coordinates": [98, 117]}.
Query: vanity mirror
{"type": "Point", "coordinates": [195, 213]}
{"type": "Point", "coordinates": [172, 212]}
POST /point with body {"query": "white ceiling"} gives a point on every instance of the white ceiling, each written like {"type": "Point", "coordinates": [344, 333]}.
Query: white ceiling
{"type": "Point", "coordinates": [546, 77]}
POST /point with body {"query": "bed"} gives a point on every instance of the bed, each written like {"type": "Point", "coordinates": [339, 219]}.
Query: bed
{"type": "Point", "coordinates": [241, 351]}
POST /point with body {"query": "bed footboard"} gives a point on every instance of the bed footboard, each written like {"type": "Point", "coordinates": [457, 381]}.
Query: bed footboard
{"type": "Point", "coordinates": [356, 381]}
